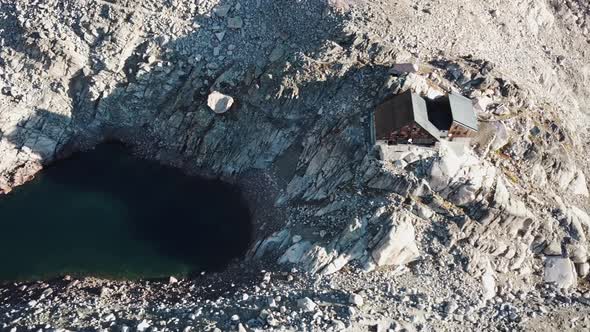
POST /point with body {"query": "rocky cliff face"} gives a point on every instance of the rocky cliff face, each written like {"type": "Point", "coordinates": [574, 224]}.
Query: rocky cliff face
{"type": "Point", "coordinates": [304, 77]}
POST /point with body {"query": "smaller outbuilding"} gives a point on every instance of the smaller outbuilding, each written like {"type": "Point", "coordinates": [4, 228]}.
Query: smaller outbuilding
{"type": "Point", "coordinates": [453, 116]}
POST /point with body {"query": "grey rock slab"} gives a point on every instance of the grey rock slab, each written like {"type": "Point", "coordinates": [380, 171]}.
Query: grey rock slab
{"type": "Point", "coordinates": [222, 11]}
{"type": "Point", "coordinates": [220, 35]}
{"type": "Point", "coordinates": [306, 304]}
{"type": "Point", "coordinates": [277, 53]}
{"type": "Point", "coordinates": [295, 253]}
{"type": "Point", "coordinates": [235, 22]}
{"type": "Point", "coordinates": [274, 242]}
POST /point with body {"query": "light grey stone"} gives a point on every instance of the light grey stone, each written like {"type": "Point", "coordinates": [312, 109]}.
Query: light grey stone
{"type": "Point", "coordinates": [306, 304]}
{"type": "Point", "coordinates": [583, 269]}
{"type": "Point", "coordinates": [553, 249]}
{"type": "Point", "coordinates": [219, 103]}
{"type": "Point", "coordinates": [220, 35]}
{"type": "Point", "coordinates": [143, 326]}
{"type": "Point", "coordinates": [579, 254]}
{"type": "Point", "coordinates": [222, 10]}
{"type": "Point", "coordinates": [398, 246]}
{"type": "Point", "coordinates": [235, 22]}
{"type": "Point", "coordinates": [451, 306]}
{"type": "Point", "coordinates": [356, 299]}
{"type": "Point", "coordinates": [277, 53]}
{"type": "Point", "coordinates": [578, 186]}
{"type": "Point", "coordinates": [109, 318]}
{"type": "Point", "coordinates": [560, 271]}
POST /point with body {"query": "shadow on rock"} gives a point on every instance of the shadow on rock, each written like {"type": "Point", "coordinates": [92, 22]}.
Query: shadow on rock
{"type": "Point", "coordinates": [149, 91]}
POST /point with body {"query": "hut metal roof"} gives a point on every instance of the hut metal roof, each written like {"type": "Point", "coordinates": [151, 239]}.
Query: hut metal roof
{"type": "Point", "coordinates": [462, 111]}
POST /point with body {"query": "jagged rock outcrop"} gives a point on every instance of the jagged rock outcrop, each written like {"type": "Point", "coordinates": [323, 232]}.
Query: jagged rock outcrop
{"type": "Point", "coordinates": [380, 239]}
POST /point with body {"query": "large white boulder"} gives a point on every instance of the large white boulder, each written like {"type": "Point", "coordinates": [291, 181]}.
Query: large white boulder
{"type": "Point", "coordinates": [219, 103]}
{"type": "Point", "coordinates": [460, 176]}
{"type": "Point", "coordinates": [501, 137]}
{"type": "Point", "coordinates": [539, 17]}
{"type": "Point", "coordinates": [561, 271]}
{"type": "Point", "coordinates": [579, 223]}
{"type": "Point", "coordinates": [449, 165]}
{"type": "Point", "coordinates": [578, 185]}
{"type": "Point", "coordinates": [489, 284]}
{"type": "Point", "coordinates": [398, 246]}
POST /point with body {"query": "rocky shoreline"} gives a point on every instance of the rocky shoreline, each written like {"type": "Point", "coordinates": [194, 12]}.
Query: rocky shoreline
{"type": "Point", "coordinates": [288, 300]}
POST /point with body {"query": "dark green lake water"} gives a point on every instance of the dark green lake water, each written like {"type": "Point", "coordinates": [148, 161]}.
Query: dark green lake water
{"type": "Point", "coordinates": [106, 213]}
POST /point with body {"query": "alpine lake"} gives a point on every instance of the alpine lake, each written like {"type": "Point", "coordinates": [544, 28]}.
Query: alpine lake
{"type": "Point", "coordinates": [106, 213]}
